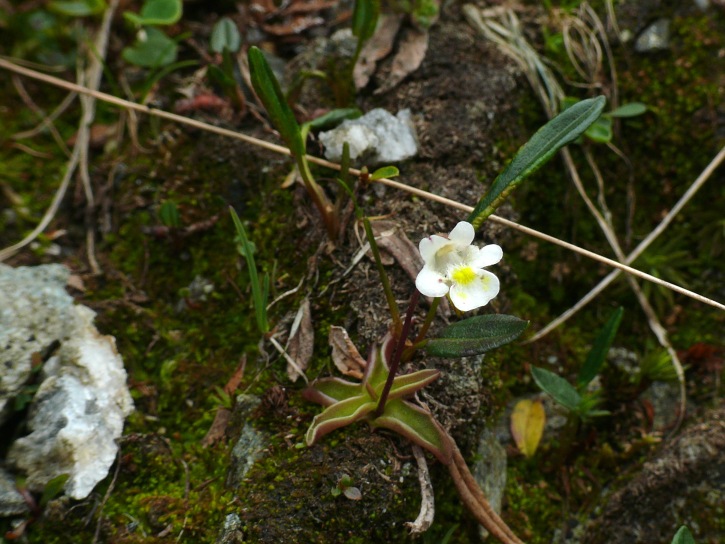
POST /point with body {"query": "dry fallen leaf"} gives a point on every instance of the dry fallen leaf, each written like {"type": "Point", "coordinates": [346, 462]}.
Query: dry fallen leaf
{"type": "Point", "coordinates": [409, 57]}
{"type": "Point", "coordinates": [345, 355]}
{"type": "Point", "coordinates": [527, 425]}
{"type": "Point", "coordinates": [301, 343]}
{"type": "Point", "coordinates": [377, 48]}
{"type": "Point", "coordinates": [393, 241]}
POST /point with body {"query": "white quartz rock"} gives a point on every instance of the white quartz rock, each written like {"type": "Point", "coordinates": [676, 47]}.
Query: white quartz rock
{"type": "Point", "coordinates": [79, 409]}
{"type": "Point", "coordinates": [378, 137]}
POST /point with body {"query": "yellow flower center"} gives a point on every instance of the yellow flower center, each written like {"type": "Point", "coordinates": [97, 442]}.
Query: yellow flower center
{"type": "Point", "coordinates": [463, 275]}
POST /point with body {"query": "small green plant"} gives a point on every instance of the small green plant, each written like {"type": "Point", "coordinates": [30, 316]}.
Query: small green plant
{"type": "Point", "coordinates": [683, 536]}
{"type": "Point", "coordinates": [153, 48]}
{"type": "Point", "coordinates": [454, 268]}
{"type": "Point", "coordinates": [260, 289]}
{"type": "Point", "coordinates": [601, 130]}
{"type": "Point", "coordinates": [577, 399]}
{"type": "Point", "coordinates": [226, 42]}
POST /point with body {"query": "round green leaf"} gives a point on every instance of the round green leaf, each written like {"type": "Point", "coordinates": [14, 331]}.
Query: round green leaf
{"type": "Point", "coordinates": [152, 49]}
{"type": "Point", "coordinates": [225, 35]}
{"type": "Point", "coordinates": [156, 12]}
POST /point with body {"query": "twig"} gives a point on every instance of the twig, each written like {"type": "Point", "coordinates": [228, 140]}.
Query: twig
{"type": "Point", "coordinates": [287, 358]}
{"type": "Point", "coordinates": [391, 183]}
{"type": "Point", "coordinates": [643, 245]}
{"type": "Point", "coordinates": [45, 120]}
{"type": "Point", "coordinates": [106, 496]}
{"type": "Point", "coordinates": [427, 501]}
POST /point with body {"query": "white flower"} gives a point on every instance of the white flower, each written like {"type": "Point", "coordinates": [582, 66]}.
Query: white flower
{"type": "Point", "coordinates": [453, 265]}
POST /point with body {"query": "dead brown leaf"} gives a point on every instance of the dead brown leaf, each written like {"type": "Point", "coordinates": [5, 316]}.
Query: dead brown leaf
{"type": "Point", "coordinates": [377, 48]}
{"type": "Point", "coordinates": [345, 355]}
{"type": "Point", "coordinates": [301, 343]}
{"type": "Point", "coordinates": [410, 55]}
{"type": "Point", "coordinates": [396, 244]}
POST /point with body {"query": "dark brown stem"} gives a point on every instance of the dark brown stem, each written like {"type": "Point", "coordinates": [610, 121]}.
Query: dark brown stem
{"type": "Point", "coordinates": [476, 501]}
{"type": "Point", "coordinates": [395, 360]}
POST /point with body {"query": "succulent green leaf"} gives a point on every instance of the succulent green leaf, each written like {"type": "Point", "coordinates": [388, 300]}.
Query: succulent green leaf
{"type": "Point", "coordinates": [156, 50]}
{"type": "Point", "coordinates": [156, 12]}
{"type": "Point", "coordinates": [629, 110]}
{"type": "Point", "coordinates": [217, 76]}
{"type": "Point", "coordinates": [225, 35]}
{"type": "Point", "coordinates": [416, 425]}
{"type": "Point", "coordinates": [561, 130]}
{"type": "Point", "coordinates": [683, 536]}
{"type": "Point", "coordinates": [339, 415]}
{"type": "Point", "coordinates": [365, 18]}
{"type": "Point", "coordinates": [407, 384]}
{"type": "Point", "coordinates": [598, 354]}
{"type": "Point", "coordinates": [269, 92]}
{"type": "Point", "coordinates": [476, 335]}
{"type": "Point", "coordinates": [327, 391]}
{"type": "Point", "coordinates": [560, 390]}
{"type": "Point", "coordinates": [78, 8]}
{"type": "Point", "coordinates": [385, 172]}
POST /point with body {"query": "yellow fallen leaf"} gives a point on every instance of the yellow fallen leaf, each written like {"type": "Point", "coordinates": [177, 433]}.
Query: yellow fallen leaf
{"type": "Point", "coordinates": [527, 425]}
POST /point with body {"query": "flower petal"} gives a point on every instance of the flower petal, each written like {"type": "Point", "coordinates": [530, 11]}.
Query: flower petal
{"type": "Point", "coordinates": [476, 293]}
{"type": "Point", "coordinates": [429, 246]}
{"type": "Point", "coordinates": [431, 283]}
{"type": "Point", "coordinates": [487, 255]}
{"type": "Point", "coordinates": [462, 234]}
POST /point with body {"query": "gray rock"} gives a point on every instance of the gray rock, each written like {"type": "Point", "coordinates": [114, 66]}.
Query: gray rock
{"type": "Point", "coordinates": [251, 443]}
{"type": "Point", "coordinates": [683, 484]}
{"type": "Point", "coordinates": [79, 409]}
{"type": "Point", "coordinates": [664, 397]}
{"type": "Point", "coordinates": [656, 37]}
{"type": "Point", "coordinates": [490, 471]}
{"type": "Point", "coordinates": [35, 314]}
{"type": "Point", "coordinates": [377, 137]}
{"type": "Point", "coordinates": [231, 532]}
{"type": "Point", "coordinates": [12, 502]}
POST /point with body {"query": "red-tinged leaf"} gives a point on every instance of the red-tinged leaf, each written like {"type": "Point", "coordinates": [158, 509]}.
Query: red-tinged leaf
{"type": "Point", "coordinates": [418, 426]}
{"type": "Point", "coordinates": [339, 415]}
{"type": "Point", "coordinates": [328, 391]}
{"type": "Point", "coordinates": [407, 384]}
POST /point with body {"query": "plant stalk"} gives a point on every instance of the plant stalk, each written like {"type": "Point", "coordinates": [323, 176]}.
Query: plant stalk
{"type": "Point", "coordinates": [318, 197]}
{"type": "Point", "coordinates": [395, 361]}
{"type": "Point", "coordinates": [394, 314]}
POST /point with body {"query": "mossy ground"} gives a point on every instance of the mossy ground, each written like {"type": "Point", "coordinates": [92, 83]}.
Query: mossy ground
{"type": "Point", "coordinates": [177, 352]}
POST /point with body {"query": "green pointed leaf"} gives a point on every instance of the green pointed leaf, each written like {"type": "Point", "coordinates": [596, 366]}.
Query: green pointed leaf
{"type": "Point", "coordinates": [556, 386]}
{"type": "Point", "coordinates": [476, 335]}
{"type": "Point", "coordinates": [376, 373]}
{"type": "Point", "coordinates": [683, 536]}
{"type": "Point", "coordinates": [79, 8]}
{"type": "Point", "coordinates": [629, 110]}
{"type": "Point", "coordinates": [333, 118]}
{"type": "Point", "coordinates": [365, 18]}
{"type": "Point", "coordinates": [53, 488]}
{"type": "Point", "coordinates": [416, 425]}
{"type": "Point", "coordinates": [327, 391]}
{"type": "Point", "coordinates": [561, 130]}
{"type": "Point", "coordinates": [339, 415]}
{"type": "Point", "coordinates": [156, 12]}
{"type": "Point", "coordinates": [225, 35]}
{"type": "Point", "coordinates": [407, 384]}
{"type": "Point", "coordinates": [598, 354]}
{"type": "Point", "coordinates": [269, 92]}
{"type": "Point", "coordinates": [385, 172]}
{"type": "Point", "coordinates": [151, 50]}
{"type": "Point", "coordinates": [217, 76]}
